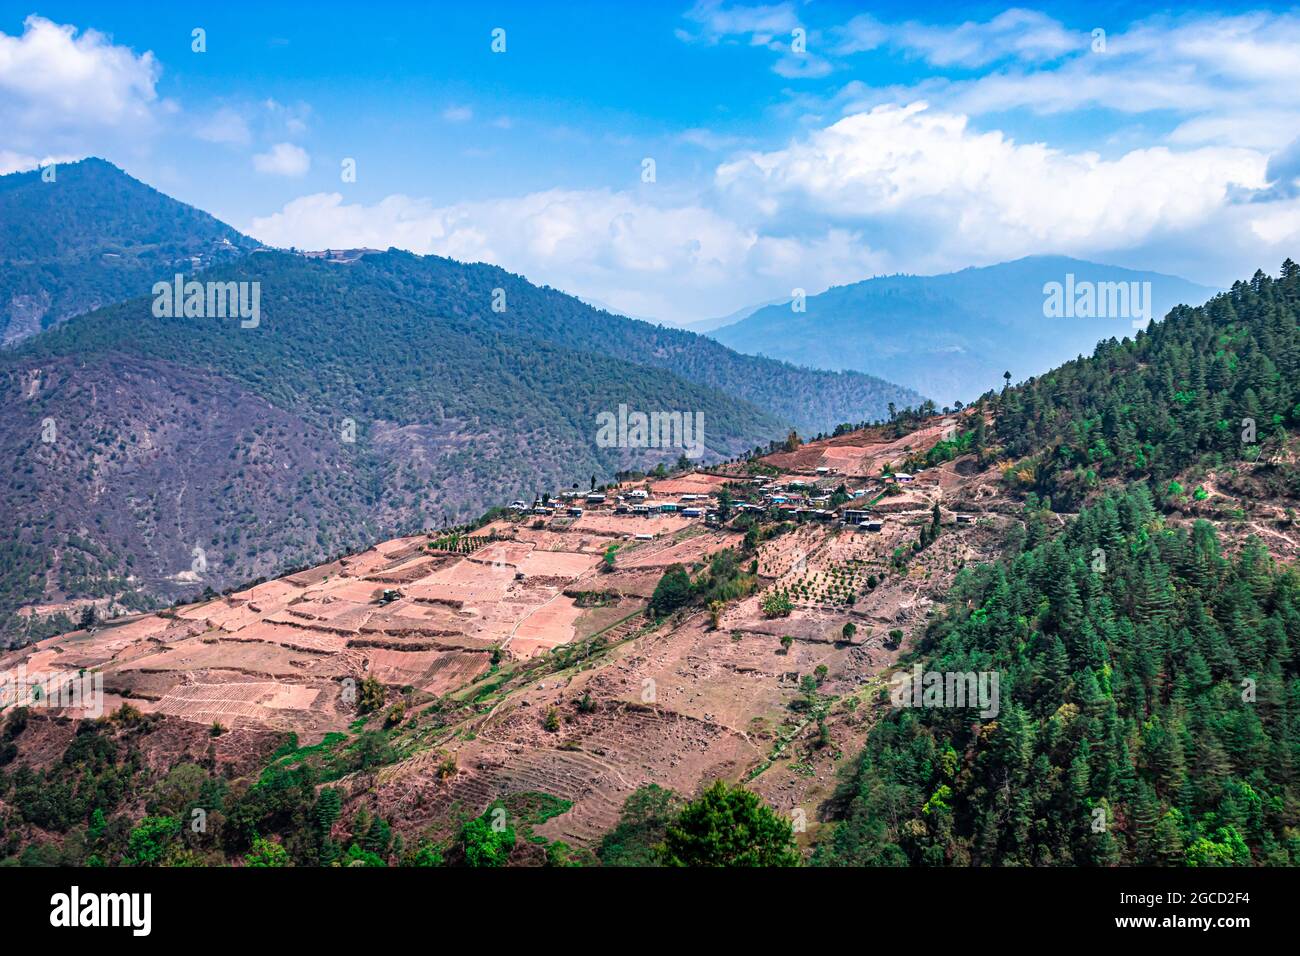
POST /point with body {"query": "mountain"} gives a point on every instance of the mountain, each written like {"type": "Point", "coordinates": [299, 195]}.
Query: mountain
{"type": "Point", "coordinates": [138, 442]}
{"type": "Point", "coordinates": [91, 237]}
{"type": "Point", "coordinates": [705, 326]}
{"type": "Point", "coordinates": [1132, 664]}
{"type": "Point", "coordinates": [1146, 649]}
{"type": "Point", "coordinates": [350, 411]}
{"type": "Point", "coordinates": [812, 401]}
{"type": "Point", "coordinates": [951, 336]}
{"type": "Point", "coordinates": [96, 236]}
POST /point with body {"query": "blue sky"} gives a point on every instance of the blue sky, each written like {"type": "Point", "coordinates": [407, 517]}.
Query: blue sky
{"type": "Point", "coordinates": [911, 138]}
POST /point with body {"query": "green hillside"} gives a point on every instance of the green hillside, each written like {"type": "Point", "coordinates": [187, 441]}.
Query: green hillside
{"type": "Point", "coordinates": [92, 237]}
{"type": "Point", "coordinates": [1149, 671]}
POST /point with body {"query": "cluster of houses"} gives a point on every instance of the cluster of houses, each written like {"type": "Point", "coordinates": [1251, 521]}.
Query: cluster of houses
{"type": "Point", "coordinates": [797, 498]}
{"type": "Point", "coordinates": [807, 500]}
{"type": "Point", "coordinates": [634, 502]}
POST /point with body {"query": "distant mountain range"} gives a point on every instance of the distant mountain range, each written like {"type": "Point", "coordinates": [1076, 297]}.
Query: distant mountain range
{"type": "Point", "coordinates": [378, 393]}
{"type": "Point", "coordinates": [705, 326]}
{"type": "Point", "coordinates": [952, 336]}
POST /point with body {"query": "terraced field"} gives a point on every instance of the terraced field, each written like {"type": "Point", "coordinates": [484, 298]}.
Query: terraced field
{"type": "Point", "coordinates": [546, 673]}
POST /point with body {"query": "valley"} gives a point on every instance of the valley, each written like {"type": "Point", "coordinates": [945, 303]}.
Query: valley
{"type": "Point", "coordinates": [380, 393]}
{"type": "Point", "coordinates": [524, 656]}
{"type": "Point", "coordinates": [482, 634]}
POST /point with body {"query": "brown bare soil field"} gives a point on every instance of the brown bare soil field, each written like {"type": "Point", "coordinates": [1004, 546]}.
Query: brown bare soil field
{"type": "Point", "coordinates": [450, 671]}
{"type": "Point", "coordinates": [236, 704]}
{"type": "Point", "coordinates": [630, 525]}
{"type": "Point", "coordinates": [696, 484]}
{"type": "Point", "coordinates": [557, 564]}
{"type": "Point", "coordinates": [691, 549]}
{"type": "Point", "coordinates": [545, 628]}
{"type": "Point", "coordinates": [400, 668]}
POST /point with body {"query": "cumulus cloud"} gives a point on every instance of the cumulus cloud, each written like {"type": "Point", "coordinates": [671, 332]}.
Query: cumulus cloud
{"type": "Point", "coordinates": [892, 189]}
{"type": "Point", "coordinates": [895, 188]}
{"type": "Point", "coordinates": [929, 173]}
{"type": "Point", "coordinates": [56, 85]}
{"type": "Point", "coordinates": [283, 159]}
{"type": "Point", "coordinates": [677, 262]}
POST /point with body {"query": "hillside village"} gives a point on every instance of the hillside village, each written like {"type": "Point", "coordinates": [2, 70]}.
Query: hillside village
{"type": "Point", "coordinates": [478, 636]}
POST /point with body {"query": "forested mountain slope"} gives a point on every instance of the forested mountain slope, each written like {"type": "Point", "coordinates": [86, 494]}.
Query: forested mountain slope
{"type": "Point", "coordinates": [349, 414]}
{"type": "Point", "coordinates": [93, 236]}
{"type": "Point", "coordinates": [1215, 383]}
{"type": "Point", "coordinates": [1148, 710]}
{"type": "Point", "coordinates": [812, 401]}
{"type": "Point", "coordinates": [1149, 688]}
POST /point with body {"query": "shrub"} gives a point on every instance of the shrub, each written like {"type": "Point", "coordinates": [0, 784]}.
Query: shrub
{"type": "Point", "coordinates": [777, 604]}
{"type": "Point", "coordinates": [729, 826]}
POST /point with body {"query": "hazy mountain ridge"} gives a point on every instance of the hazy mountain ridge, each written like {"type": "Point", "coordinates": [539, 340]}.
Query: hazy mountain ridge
{"type": "Point", "coordinates": [949, 336]}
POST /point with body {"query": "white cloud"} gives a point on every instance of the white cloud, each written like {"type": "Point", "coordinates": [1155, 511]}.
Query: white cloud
{"type": "Point", "coordinates": [56, 86]}
{"type": "Point", "coordinates": [1018, 34]}
{"type": "Point", "coordinates": [799, 66]}
{"type": "Point", "coordinates": [283, 159]}
{"type": "Point", "coordinates": [709, 140]}
{"type": "Point", "coordinates": [864, 32]}
{"type": "Point", "coordinates": [770, 26]}
{"type": "Point", "coordinates": [224, 126]}
{"type": "Point", "coordinates": [715, 22]}
{"type": "Point", "coordinates": [1230, 79]}
{"type": "Point", "coordinates": [676, 262]}
{"type": "Point", "coordinates": [1278, 225]}
{"type": "Point", "coordinates": [458, 114]}
{"type": "Point", "coordinates": [11, 162]}
{"type": "Point", "coordinates": [950, 195]}
{"type": "Point", "coordinates": [279, 120]}
{"type": "Point", "coordinates": [894, 189]}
